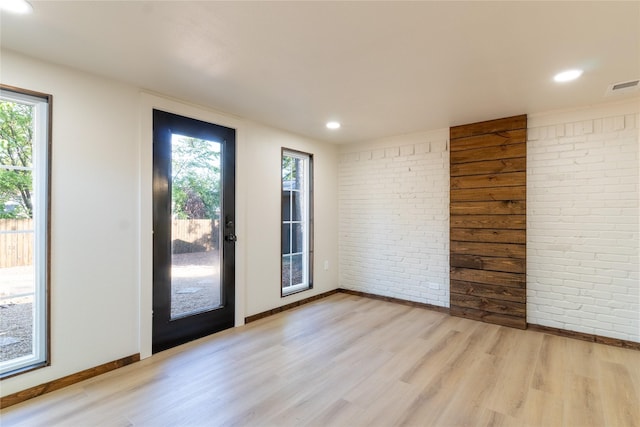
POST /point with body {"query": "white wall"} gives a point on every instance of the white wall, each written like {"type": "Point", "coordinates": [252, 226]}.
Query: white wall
{"type": "Point", "coordinates": [262, 159]}
{"type": "Point", "coordinates": [94, 217]}
{"type": "Point", "coordinates": [582, 214]}
{"type": "Point", "coordinates": [394, 217]}
{"type": "Point", "coordinates": [101, 215]}
{"type": "Point", "coordinates": [582, 221]}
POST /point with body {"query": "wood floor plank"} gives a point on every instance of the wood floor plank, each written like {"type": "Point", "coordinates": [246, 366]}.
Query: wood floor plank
{"type": "Point", "coordinates": [348, 360]}
{"type": "Point", "coordinates": [583, 402]}
{"type": "Point", "coordinates": [436, 354]}
{"type": "Point", "coordinates": [472, 394]}
{"type": "Point", "coordinates": [510, 393]}
{"type": "Point", "coordinates": [336, 413]}
{"type": "Point", "coordinates": [616, 383]}
{"type": "Point", "coordinates": [543, 409]}
{"type": "Point", "coordinates": [547, 374]}
{"type": "Point", "coordinates": [503, 341]}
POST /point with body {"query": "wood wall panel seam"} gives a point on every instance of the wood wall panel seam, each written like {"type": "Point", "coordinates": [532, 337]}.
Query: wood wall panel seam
{"type": "Point", "coordinates": [488, 235]}
{"type": "Point", "coordinates": [506, 293]}
{"type": "Point", "coordinates": [485, 316]}
{"type": "Point", "coordinates": [489, 127]}
{"type": "Point", "coordinates": [514, 280]}
{"type": "Point", "coordinates": [491, 305]}
{"type": "Point", "coordinates": [492, 194]}
{"type": "Point", "coordinates": [487, 167]}
{"type": "Point", "coordinates": [515, 136]}
{"type": "Point", "coordinates": [490, 221]}
{"type": "Point", "coordinates": [499, 152]}
{"type": "Point", "coordinates": [501, 207]}
{"type": "Point", "coordinates": [509, 265]}
{"type": "Point", "coordinates": [503, 250]}
{"type": "Point", "coordinates": [508, 179]}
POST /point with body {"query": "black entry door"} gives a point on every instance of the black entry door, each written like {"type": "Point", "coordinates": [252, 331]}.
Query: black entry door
{"type": "Point", "coordinates": [193, 229]}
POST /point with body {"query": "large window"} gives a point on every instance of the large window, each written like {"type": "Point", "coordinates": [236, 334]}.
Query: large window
{"type": "Point", "coordinates": [24, 231]}
{"type": "Point", "coordinates": [297, 221]}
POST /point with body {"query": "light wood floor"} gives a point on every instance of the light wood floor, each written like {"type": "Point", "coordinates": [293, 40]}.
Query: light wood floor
{"type": "Point", "coordinates": [352, 361]}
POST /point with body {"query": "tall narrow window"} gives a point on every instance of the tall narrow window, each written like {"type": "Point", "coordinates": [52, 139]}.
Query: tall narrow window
{"type": "Point", "coordinates": [297, 221]}
{"type": "Point", "coordinates": [24, 230]}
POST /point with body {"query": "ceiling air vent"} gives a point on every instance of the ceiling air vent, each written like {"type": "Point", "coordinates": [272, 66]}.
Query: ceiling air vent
{"type": "Point", "coordinates": [623, 87]}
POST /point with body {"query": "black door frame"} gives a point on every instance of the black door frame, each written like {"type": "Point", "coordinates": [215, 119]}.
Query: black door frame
{"type": "Point", "coordinates": [169, 333]}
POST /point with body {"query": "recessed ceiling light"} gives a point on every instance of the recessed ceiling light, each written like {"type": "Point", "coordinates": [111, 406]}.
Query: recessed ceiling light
{"type": "Point", "coordinates": [567, 76]}
{"type": "Point", "coordinates": [333, 125]}
{"type": "Point", "coordinates": [16, 6]}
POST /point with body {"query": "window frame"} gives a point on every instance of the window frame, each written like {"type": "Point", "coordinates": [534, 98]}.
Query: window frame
{"type": "Point", "coordinates": [42, 154]}
{"type": "Point", "coordinates": [307, 219]}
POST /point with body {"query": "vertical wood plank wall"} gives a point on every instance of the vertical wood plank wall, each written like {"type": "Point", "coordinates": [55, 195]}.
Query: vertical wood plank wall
{"type": "Point", "coordinates": [488, 221]}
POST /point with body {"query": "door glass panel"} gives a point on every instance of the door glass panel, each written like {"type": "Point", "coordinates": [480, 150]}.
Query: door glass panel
{"type": "Point", "coordinates": [195, 226]}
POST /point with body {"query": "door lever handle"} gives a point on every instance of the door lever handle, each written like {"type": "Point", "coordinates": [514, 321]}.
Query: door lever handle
{"type": "Point", "coordinates": [230, 238]}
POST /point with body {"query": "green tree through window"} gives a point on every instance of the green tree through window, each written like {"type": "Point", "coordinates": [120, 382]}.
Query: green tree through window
{"type": "Point", "coordinates": [196, 187]}
{"type": "Point", "coordinates": [16, 135]}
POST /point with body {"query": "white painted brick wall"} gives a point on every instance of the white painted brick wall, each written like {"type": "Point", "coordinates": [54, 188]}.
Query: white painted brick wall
{"type": "Point", "coordinates": [583, 219]}
{"type": "Point", "coordinates": [582, 226]}
{"type": "Point", "coordinates": [394, 220]}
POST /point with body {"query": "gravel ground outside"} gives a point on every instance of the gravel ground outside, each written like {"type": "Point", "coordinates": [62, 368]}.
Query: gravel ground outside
{"type": "Point", "coordinates": [16, 312]}
{"type": "Point", "coordinates": [195, 287]}
{"type": "Point", "coordinates": [195, 282]}
{"type": "Point", "coordinates": [16, 324]}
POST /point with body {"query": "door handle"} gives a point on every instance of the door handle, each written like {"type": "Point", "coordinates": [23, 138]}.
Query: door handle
{"type": "Point", "coordinates": [230, 238]}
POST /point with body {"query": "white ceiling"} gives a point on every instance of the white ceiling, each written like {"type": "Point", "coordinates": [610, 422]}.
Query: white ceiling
{"type": "Point", "coordinates": [380, 68]}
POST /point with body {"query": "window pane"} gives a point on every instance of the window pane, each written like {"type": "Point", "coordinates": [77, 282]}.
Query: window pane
{"type": "Point", "coordinates": [17, 289]}
{"type": "Point", "coordinates": [295, 225]}
{"type": "Point", "coordinates": [286, 271]}
{"type": "Point", "coordinates": [286, 205]}
{"type": "Point", "coordinates": [297, 272]}
{"type": "Point", "coordinates": [297, 238]}
{"type": "Point", "coordinates": [23, 230]}
{"type": "Point", "coordinates": [286, 169]}
{"type": "Point", "coordinates": [16, 127]}
{"type": "Point", "coordinates": [296, 205]}
{"type": "Point", "coordinates": [286, 234]}
{"type": "Point", "coordinates": [292, 173]}
{"type": "Point", "coordinates": [297, 174]}
{"type": "Point", "coordinates": [16, 193]}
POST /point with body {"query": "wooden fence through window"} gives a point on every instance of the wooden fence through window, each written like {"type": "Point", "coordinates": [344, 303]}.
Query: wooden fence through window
{"type": "Point", "coordinates": [16, 239]}
{"type": "Point", "coordinates": [16, 242]}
